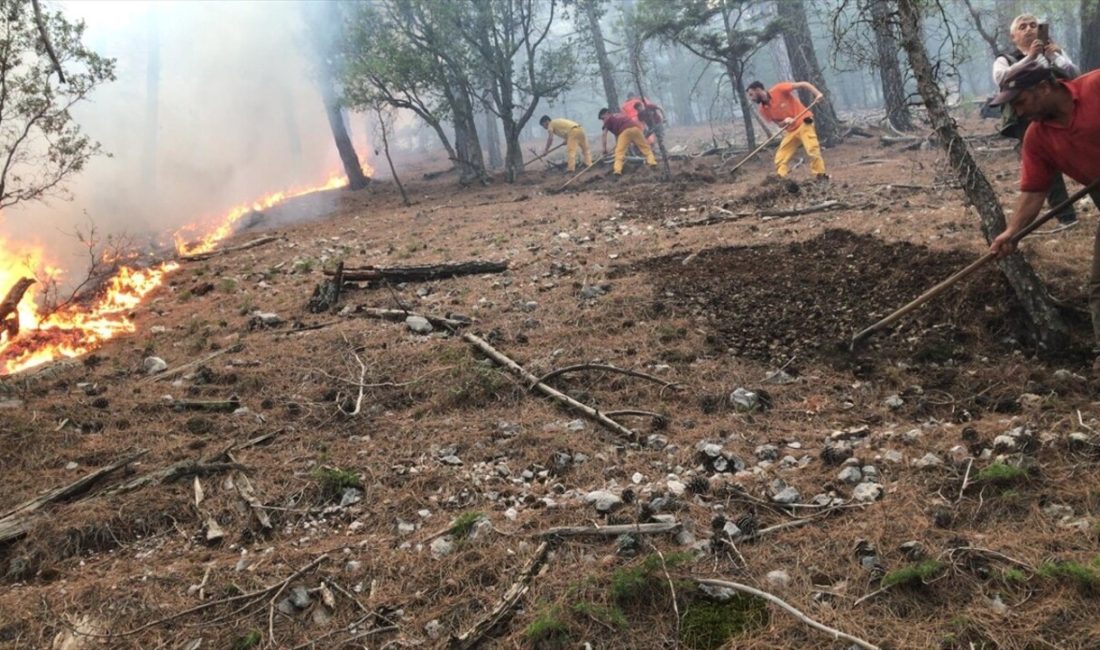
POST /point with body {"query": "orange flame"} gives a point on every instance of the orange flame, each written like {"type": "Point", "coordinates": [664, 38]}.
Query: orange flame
{"type": "Point", "coordinates": [227, 225]}
{"type": "Point", "coordinates": [78, 329]}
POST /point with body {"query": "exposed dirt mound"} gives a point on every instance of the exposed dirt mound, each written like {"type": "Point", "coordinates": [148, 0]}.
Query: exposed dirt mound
{"type": "Point", "coordinates": [805, 299]}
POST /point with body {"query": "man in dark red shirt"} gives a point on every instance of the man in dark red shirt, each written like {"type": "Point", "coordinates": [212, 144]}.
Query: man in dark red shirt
{"type": "Point", "coordinates": [1064, 136]}
{"type": "Point", "coordinates": [627, 131]}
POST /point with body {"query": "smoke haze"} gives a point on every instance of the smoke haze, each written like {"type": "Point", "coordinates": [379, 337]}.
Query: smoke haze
{"type": "Point", "coordinates": [215, 105]}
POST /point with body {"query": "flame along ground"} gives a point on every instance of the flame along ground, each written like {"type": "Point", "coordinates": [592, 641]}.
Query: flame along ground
{"type": "Point", "coordinates": [80, 328]}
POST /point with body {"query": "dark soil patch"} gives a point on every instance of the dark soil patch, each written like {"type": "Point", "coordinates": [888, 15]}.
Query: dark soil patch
{"type": "Point", "coordinates": [807, 299]}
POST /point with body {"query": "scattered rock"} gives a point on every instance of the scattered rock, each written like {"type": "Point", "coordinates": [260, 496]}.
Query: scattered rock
{"type": "Point", "coordinates": [418, 325]}
{"type": "Point", "coordinates": [676, 488]}
{"type": "Point", "coordinates": [851, 475]}
{"type": "Point", "coordinates": [786, 496]}
{"type": "Point", "coordinates": [778, 579]}
{"type": "Point", "coordinates": [867, 492]}
{"type": "Point", "coordinates": [350, 496]}
{"type": "Point", "coordinates": [912, 549]}
{"type": "Point", "coordinates": [744, 400]}
{"type": "Point", "coordinates": [894, 402]}
{"type": "Point", "coordinates": [434, 629]}
{"type": "Point", "coordinates": [442, 546]}
{"type": "Point", "coordinates": [300, 598]}
{"type": "Point", "coordinates": [603, 500]}
{"type": "Point", "coordinates": [767, 452]}
{"type": "Point", "coordinates": [778, 377]}
{"type": "Point", "coordinates": [928, 461]}
{"type": "Point", "coordinates": [154, 365]}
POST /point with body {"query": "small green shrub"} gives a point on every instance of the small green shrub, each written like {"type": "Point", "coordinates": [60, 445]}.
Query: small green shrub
{"type": "Point", "coordinates": [913, 574]}
{"type": "Point", "coordinates": [549, 631]}
{"type": "Point", "coordinates": [250, 640]}
{"type": "Point", "coordinates": [644, 583]}
{"type": "Point", "coordinates": [1013, 576]}
{"type": "Point", "coordinates": [1084, 577]}
{"type": "Point", "coordinates": [334, 480]}
{"type": "Point", "coordinates": [227, 285]}
{"type": "Point", "coordinates": [184, 295]}
{"type": "Point", "coordinates": [1001, 474]}
{"type": "Point", "coordinates": [709, 624]}
{"type": "Point", "coordinates": [463, 525]}
{"type": "Point", "coordinates": [603, 614]}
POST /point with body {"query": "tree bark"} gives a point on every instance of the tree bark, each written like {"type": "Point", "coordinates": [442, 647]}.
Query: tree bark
{"type": "Point", "coordinates": [735, 73]}
{"type": "Point", "coordinates": [1090, 35]}
{"type": "Point", "coordinates": [592, 13]}
{"type": "Point", "coordinates": [804, 67]}
{"type": "Point", "coordinates": [1051, 332]}
{"type": "Point", "coordinates": [356, 179]}
{"type": "Point", "coordinates": [893, 84]}
{"type": "Point", "coordinates": [492, 140]}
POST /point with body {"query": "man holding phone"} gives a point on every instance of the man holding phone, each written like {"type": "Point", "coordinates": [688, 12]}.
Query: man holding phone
{"type": "Point", "coordinates": [1033, 44]}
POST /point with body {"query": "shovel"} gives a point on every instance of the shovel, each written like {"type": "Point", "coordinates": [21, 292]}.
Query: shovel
{"type": "Point", "coordinates": [581, 173]}
{"type": "Point", "coordinates": [540, 157]}
{"type": "Point", "coordinates": [974, 266]}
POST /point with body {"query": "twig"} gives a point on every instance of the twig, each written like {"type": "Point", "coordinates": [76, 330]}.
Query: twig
{"type": "Point", "coordinates": [835, 633]}
{"type": "Point", "coordinates": [603, 366]}
{"type": "Point", "coordinates": [671, 587]}
{"type": "Point", "coordinates": [362, 386]}
{"type": "Point", "coordinates": [966, 481]}
{"type": "Point", "coordinates": [610, 531]}
{"type": "Point", "coordinates": [638, 412]}
{"type": "Point", "coordinates": [555, 394]}
{"type": "Point", "coordinates": [168, 374]}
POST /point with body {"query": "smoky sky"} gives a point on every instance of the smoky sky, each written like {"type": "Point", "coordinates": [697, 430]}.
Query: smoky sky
{"type": "Point", "coordinates": [215, 105]}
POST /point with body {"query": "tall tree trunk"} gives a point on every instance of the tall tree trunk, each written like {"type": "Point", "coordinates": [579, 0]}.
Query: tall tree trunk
{"type": "Point", "coordinates": [734, 70]}
{"type": "Point", "coordinates": [1050, 330]}
{"type": "Point", "coordinates": [356, 179]}
{"type": "Point", "coordinates": [800, 51]}
{"type": "Point", "coordinates": [1090, 35]}
{"type": "Point", "coordinates": [467, 144]}
{"type": "Point", "coordinates": [513, 153]}
{"type": "Point", "coordinates": [889, 70]}
{"type": "Point", "coordinates": [492, 140]}
{"type": "Point", "coordinates": [591, 12]}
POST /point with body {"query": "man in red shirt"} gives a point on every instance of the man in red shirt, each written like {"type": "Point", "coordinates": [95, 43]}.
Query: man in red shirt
{"type": "Point", "coordinates": [627, 131]}
{"type": "Point", "coordinates": [781, 105]}
{"type": "Point", "coordinates": [1064, 136]}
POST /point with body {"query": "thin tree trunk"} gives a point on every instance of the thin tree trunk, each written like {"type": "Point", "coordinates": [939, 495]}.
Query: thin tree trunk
{"type": "Point", "coordinates": [804, 66]}
{"type": "Point", "coordinates": [356, 179]}
{"type": "Point", "coordinates": [596, 32]}
{"type": "Point", "coordinates": [893, 84]}
{"type": "Point", "coordinates": [1090, 35]}
{"type": "Point", "coordinates": [386, 149]}
{"type": "Point", "coordinates": [738, 84]}
{"type": "Point", "coordinates": [1051, 331]}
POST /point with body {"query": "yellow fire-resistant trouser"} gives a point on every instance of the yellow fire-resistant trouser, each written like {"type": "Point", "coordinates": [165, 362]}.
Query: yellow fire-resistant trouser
{"type": "Point", "coordinates": [576, 138]}
{"type": "Point", "coordinates": [807, 137]}
{"type": "Point", "coordinates": [631, 136]}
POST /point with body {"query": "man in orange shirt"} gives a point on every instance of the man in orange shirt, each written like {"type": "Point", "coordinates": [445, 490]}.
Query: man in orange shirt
{"type": "Point", "coordinates": [781, 105]}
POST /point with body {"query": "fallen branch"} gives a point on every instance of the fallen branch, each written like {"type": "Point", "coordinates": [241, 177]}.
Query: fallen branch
{"type": "Point", "coordinates": [399, 316]}
{"type": "Point", "coordinates": [168, 374]}
{"type": "Point", "coordinates": [555, 394]}
{"type": "Point", "coordinates": [198, 257]}
{"type": "Point", "coordinates": [833, 632]}
{"type": "Point", "coordinates": [420, 273]}
{"type": "Point", "coordinates": [603, 366]}
{"type": "Point", "coordinates": [473, 637]}
{"type": "Point", "coordinates": [610, 531]}
{"type": "Point", "coordinates": [15, 522]}
{"type": "Point", "coordinates": [9, 315]}
{"type": "Point", "coordinates": [210, 406]}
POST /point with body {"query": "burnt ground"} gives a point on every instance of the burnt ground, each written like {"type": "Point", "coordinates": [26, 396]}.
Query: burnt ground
{"type": "Point", "coordinates": [410, 518]}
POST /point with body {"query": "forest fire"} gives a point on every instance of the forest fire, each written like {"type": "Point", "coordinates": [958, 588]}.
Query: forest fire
{"type": "Point", "coordinates": [29, 337]}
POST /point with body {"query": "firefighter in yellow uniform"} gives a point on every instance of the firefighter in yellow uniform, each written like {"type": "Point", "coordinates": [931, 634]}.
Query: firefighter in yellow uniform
{"type": "Point", "coordinates": [781, 105]}
{"type": "Point", "coordinates": [573, 135]}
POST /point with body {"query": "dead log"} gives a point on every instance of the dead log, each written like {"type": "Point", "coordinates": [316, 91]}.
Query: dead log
{"type": "Point", "coordinates": [326, 296]}
{"type": "Point", "coordinates": [552, 393]}
{"type": "Point", "coordinates": [15, 522]}
{"type": "Point", "coordinates": [473, 637]}
{"type": "Point", "coordinates": [9, 316]}
{"type": "Point", "coordinates": [198, 257]}
{"type": "Point", "coordinates": [420, 273]}
{"type": "Point", "coordinates": [610, 531]}
{"type": "Point", "coordinates": [219, 462]}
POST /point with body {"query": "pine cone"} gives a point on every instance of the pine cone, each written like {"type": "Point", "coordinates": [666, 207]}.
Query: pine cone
{"type": "Point", "coordinates": [698, 485]}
